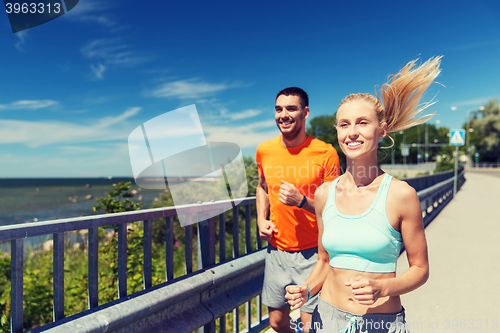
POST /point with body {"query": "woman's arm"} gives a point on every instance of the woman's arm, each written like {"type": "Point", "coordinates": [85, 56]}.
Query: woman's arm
{"type": "Point", "coordinates": [297, 295]}
{"type": "Point", "coordinates": [405, 204]}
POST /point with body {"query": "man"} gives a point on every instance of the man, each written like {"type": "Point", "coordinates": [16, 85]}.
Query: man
{"type": "Point", "coordinates": [291, 167]}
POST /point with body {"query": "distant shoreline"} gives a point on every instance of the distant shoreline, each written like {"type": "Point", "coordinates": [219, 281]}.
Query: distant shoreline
{"type": "Point", "coordinates": [36, 182]}
{"type": "Point", "coordinates": [21, 182]}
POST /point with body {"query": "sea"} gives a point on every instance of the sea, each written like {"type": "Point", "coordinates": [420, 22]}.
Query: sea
{"type": "Point", "coordinates": [27, 200]}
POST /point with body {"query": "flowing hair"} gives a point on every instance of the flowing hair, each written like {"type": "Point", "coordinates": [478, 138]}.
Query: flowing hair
{"type": "Point", "coordinates": [398, 104]}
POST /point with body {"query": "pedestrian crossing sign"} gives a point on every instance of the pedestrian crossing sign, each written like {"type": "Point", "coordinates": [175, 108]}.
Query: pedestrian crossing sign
{"type": "Point", "coordinates": [457, 137]}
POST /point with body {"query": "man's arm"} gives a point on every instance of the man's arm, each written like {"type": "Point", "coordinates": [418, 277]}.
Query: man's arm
{"type": "Point", "coordinates": [266, 227]}
{"type": "Point", "coordinates": [290, 196]}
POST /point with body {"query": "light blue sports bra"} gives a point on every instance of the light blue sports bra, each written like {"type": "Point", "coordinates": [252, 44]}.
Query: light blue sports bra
{"type": "Point", "coordinates": [366, 242]}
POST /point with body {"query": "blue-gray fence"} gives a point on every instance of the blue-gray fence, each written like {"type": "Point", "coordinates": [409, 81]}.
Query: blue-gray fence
{"type": "Point", "coordinates": [184, 304]}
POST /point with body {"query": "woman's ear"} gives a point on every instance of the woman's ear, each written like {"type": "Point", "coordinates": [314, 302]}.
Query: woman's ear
{"type": "Point", "coordinates": [383, 131]}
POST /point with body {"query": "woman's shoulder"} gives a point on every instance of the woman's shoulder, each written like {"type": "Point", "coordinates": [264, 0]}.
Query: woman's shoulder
{"type": "Point", "coordinates": [323, 190]}
{"type": "Point", "coordinates": [401, 191]}
{"type": "Point", "coordinates": [321, 194]}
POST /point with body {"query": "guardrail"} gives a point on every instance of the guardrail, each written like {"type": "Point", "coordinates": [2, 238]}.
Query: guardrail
{"type": "Point", "coordinates": [206, 250]}
{"type": "Point", "coordinates": [485, 165]}
{"type": "Point", "coordinates": [184, 304]}
{"type": "Point", "coordinates": [420, 183]}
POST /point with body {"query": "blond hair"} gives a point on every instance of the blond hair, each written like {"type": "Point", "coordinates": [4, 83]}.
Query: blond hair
{"type": "Point", "coordinates": [399, 101]}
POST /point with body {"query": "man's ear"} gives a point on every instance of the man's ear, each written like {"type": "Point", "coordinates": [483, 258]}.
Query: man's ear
{"type": "Point", "coordinates": [306, 112]}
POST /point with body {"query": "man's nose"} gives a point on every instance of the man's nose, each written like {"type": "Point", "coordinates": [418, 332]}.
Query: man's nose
{"type": "Point", "coordinates": [285, 113]}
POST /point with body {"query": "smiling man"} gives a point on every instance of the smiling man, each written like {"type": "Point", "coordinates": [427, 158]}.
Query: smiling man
{"type": "Point", "coordinates": [291, 167]}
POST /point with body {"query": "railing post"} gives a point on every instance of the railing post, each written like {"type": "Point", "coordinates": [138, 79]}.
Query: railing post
{"type": "Point", "coordinates": [188, 230]}
{"type": "Point", "coordinates": [93, 268]}
{"type": "Point", "coordinates": [206, 256]}
{"type": "Point", "coordinates": [248, 229]}
{"type": "Point", "coordinates": [206, 243]}
{"type": "Point", "coordinates": [222, 258]}
{"type": "Point", "coordinates": [169, 248]}
{"type": "Point", "coordinates": [16, 281]}
{"type": "Point", "coordinates": [122, 260]}
{"type": "Point", "coordinates": [222, 237]}
{"type": "Point", "coordinates": [147, 245]}
{"type": "Point", "coordinates": [236, 232]}
{"type": "Point", "coordinates": [236, 319]}
{"type": "Point", "coordinates": [58, 278]}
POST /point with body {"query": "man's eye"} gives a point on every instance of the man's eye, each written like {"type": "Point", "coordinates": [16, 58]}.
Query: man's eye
{"type": "Point", "coordinates": [343, 125]}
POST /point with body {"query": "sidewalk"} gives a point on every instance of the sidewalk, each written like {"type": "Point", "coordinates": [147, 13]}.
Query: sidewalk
{"type": "Point", "coordinates": [463, 290]}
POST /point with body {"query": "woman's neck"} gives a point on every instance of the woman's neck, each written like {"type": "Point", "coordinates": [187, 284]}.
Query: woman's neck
{"type": "Point", "coordinates": [363, 171]}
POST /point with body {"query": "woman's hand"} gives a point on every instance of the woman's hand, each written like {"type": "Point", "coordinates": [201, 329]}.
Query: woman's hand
{"type": "Point", "coordinates": [296, 295]}
{"type": "Point", "coordinates": [366, 291]}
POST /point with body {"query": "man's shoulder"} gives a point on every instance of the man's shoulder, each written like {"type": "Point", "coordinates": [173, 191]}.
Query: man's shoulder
{"type": "Point", "coordinates": [270, 144]}
{"type": "Point", "coordinates": [322, 146]}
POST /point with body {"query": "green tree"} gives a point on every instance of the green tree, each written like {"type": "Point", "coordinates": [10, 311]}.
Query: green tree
{"type": "Point", "coordinates": [485, 134]}
{"type": "Point", "coordinates": [323, 128]}
{"type": "Point", "coordinates": [118, 201]}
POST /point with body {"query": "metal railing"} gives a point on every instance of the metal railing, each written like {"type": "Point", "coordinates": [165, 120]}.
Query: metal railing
{"type": "Point", "coordinates": [423, 182]}
{"type": "Point", "coordinates": [183, 304]}
{"type": "Point", "coordinates": [485, 165]}
{"type": "Point", "coordinates": [206, 248]}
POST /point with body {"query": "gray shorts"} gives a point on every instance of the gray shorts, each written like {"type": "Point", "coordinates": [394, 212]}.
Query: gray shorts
{"type": "Point", "coordinates": [328, 318]}
{"type": "Point", "coordinates": [284, 268]}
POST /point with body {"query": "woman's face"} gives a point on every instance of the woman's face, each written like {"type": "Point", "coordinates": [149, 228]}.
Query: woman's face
{"type": "Point", "coordinates": [358, 129]}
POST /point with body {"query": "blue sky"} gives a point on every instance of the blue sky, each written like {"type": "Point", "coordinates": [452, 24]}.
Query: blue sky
{"type": "Point", "coordinates": [73, 89]}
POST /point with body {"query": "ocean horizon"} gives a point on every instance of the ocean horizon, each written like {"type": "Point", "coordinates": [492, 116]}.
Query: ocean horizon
{"type": "Point", "coordinates": [25, 200]}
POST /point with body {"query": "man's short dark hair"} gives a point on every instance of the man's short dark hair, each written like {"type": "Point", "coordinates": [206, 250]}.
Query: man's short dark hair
{"type": "Point", "coordinates": [296, 92]}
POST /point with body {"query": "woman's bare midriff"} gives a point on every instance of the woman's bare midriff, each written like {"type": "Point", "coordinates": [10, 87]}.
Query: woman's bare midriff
{"type": "Point", "coordinates": [337, 293]}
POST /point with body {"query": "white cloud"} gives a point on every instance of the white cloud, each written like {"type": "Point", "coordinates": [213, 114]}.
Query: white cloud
{"type": "Point", "coordinates": [245, 136]}
{"type": "Point", "coordinates": [93, 11]}
{"type": "Point", "coordinates": [109, 121]}
{"type": "Point", "coordinates": [98, 70]}
{"type": "Point", "coordinates": [241, 115]}
{"type": "Point", "coordinates": [70, 161]}
{"type": "Point", "coordinates": [22, 38]}
{"type": "Point", "coordinates": [111, 51]}
{"type": "Point", "coordinates": [35, 134]}
{"type": "Point", "coordinates": [28, 104]}
{"type": "Point", "coordinates": [474, 102]}
{"type": "Point", "coordinates": [189, 89]}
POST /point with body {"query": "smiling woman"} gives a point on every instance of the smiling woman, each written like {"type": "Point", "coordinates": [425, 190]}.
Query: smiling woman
{"type": "Point", "coordinates": [365, 216]}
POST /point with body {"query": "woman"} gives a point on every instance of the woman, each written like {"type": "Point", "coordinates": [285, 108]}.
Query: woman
{"type": "Point", "coordinates": [365, 215]}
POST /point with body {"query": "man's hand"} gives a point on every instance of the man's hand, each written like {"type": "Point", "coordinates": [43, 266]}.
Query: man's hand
{"type": "Point", "coordinates": [266, 229]}
{"type": "Point", "coordinates": [289, 195]}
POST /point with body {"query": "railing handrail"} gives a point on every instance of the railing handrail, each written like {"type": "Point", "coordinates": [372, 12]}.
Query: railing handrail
{"type": "Point", "coordinates": [18, 231]}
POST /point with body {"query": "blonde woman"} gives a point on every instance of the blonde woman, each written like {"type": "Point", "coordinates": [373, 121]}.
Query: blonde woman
{"type": "Point", "coordinates": [365, 216]}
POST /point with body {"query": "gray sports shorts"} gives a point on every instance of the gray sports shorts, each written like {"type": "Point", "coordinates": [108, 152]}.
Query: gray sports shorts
{"type": "Point", "coordinates": [328, 318]}
{"type": "Point", "coordinates": [284, 268]}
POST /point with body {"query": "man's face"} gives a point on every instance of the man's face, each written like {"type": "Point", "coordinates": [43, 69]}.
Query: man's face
{"type": "Point", "coordinates": [290, 115]}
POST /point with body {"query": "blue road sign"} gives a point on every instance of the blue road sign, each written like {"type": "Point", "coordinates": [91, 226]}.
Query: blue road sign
{"type": "Point", "coordinates": [457, 137]}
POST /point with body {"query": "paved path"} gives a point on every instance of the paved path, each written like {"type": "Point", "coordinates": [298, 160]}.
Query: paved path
{"type": "Point", "coordinates": [463, 291]}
